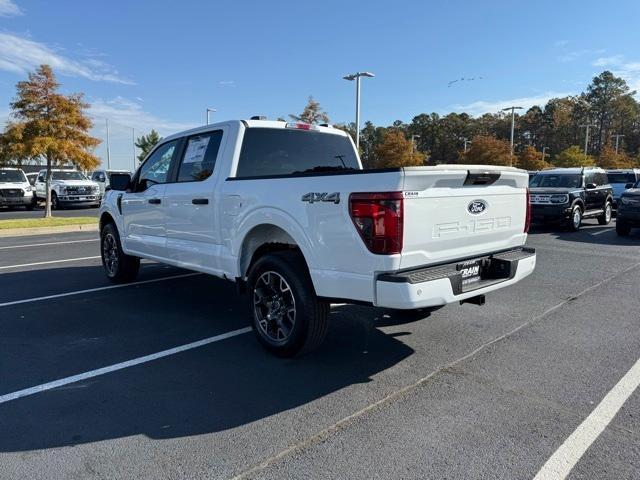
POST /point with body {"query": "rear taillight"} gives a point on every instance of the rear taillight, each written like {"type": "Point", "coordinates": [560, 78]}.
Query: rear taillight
{"type": "Point", "coordinates": [378, 217]}
{"type": "Point", "coordinates": [527, 218]}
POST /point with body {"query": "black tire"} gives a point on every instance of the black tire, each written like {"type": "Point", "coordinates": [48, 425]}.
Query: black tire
{"type": "Point", "coordinates": [271, 302]}
{"type": "Point", "coordinates": [32, 205]}
{"type": "Point", "coordinates": [575, 220]}
{"type": "Point", "coordinates": [55, 203]}
{"type": "Point", "coordinates": [622, 229]}
{"type": "Point", "coordinates": [605, 218]}
{"type": "Point", "coordinates": [118, 266]}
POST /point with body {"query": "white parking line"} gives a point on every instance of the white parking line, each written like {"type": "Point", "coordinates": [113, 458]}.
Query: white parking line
{"type": "Point", "coordinates": [97, 289]}
{"type": "Point", "coordinates": [602, 231]}
{"type": "Point", "coordinates": [119, 366]}
{"type": "Point", "coordinates": [574, 447]}
{"type": "Point", "coordinates": [49, 262]}
{"type": "Point", "coordinates": [49, 243]}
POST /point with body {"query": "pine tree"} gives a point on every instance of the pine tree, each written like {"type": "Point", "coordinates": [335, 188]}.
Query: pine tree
{"type": "Point", "coordinates": [146, 143]}
{"type": "Point", "coordinates": [312, 113]}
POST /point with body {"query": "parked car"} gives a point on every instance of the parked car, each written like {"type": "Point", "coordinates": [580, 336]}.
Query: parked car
{"type": "Point", "coordinates": [103, 177]}
{"type": "Point", "coordinates": [628, 209]}
{"type": "Point", "coordinates": [68, 187]}
{"type": "Point", "coordinates": [286, 211]}
{"type": "Point", "coordinates": [15, 190]}
{"type": "Point", "coordinates": [568, 195]}
{"type": "Point", "coordinates": [619, 179]}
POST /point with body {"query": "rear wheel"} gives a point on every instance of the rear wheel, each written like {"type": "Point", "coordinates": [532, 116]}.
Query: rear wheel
{"type": "Point", "coordinates": [288, 318]}
{"type": "Point", "coordinates": [622, 229]}
{"type": "Point", "coordinates": [605, 218]}
{"type": "Point", "coordinates": [575, 220]}
{"type": "Point", "coordinates": [118, 266]}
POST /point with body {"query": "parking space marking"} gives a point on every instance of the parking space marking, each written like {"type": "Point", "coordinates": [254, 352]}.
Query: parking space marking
{"type": "Point", "coordinates": [602, 231]}
{"type": "Point", "coordinates": [49, 262]}
{"type": "Point", "coordinates": [49, 243]}
{"type": "Point", "coordinates": [119, 366]}
{"type": "Point", "coordinates": [96, 289]}
{"type": "Point", "coordinates": [571, 451]}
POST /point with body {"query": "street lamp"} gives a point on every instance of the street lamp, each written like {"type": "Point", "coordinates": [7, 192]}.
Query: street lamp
{"type": "Point", "coordinates": [586, 136]}
{"type": "Point", "coordinates": [544, 154]}
{"type": "Point", "coordinates": [413, 141]}
{"type": "Point", "coordinates": [513, 126]}
{"type": "Point", "coordinates": [356, 76]}
{"type": "Point", "coordinates": [466, 142]}
{"type": "Point", "coordinates": [617, 137]}
{"type": "Point", "coordinates": [210, 110]}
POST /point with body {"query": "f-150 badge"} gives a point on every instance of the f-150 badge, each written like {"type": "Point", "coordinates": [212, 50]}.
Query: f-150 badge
{"type": "Point", "coordinates": [313, 197]}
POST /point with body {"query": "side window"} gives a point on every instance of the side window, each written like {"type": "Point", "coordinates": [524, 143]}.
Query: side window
{"type": "Point", "coordinates": [199, 157]}
{"type": "Point", "coordinates": [604, 180]}
{"type": "Point", "coordinates": [41, 177]}
{"type": "Point", "coordinates": [589, 178]}
{"type": "Point", "coordinates": [101, 177]}
{"type": "Point", "coordinates": [156, 168]}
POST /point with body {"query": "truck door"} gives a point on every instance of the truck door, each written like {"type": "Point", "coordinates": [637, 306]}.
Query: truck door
{"type": "Point", "coordinates": [143, 208]}
{"type": "Point", "coordinates": [191, 216]}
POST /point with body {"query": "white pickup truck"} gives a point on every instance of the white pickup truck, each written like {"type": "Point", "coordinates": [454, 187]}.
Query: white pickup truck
{"type": "Point", "coordinates": [287, 212]}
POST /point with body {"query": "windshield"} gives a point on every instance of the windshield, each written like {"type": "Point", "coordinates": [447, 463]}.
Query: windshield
{"type": "Point", "coordinates": [625, 177]}
{"type": "Point", "coordinates": [564, 180]}
{"type": "Point", "coordinates": [12, 176]}
{"type": "Point", "coordinates": [277, 151]}
{"type": "Point", "coordinates": [71, 175]}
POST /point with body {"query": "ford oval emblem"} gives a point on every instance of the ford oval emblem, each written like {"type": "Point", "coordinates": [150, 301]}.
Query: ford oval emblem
{"type": "Point", "coordinates": [476, 207]}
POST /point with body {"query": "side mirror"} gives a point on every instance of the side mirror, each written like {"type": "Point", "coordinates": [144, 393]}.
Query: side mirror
{"type": "Point", "coordinates": [590, 186]}
{"type": "Point", "coordinates": [119, 181]}
{"type": "Point", "coordinates": [628, 185]}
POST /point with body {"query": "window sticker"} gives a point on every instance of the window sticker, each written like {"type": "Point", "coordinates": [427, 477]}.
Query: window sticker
{"type": "Point", "coordinates": [196, 149]}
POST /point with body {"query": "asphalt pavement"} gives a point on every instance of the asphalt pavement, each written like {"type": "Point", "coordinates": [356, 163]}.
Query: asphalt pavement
{"type": "Point", "coordinates": [161, 379]}
{"type": "Point", "coordinates": [72, 211]}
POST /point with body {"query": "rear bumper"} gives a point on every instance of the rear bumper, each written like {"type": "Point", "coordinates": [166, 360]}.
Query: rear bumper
{"type": "Point", "coordinates": [442, 284]}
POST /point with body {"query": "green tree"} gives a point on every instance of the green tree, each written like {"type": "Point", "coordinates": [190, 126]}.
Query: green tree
{"type": "Point", "coordinates": [487, 150]}
{"type": "Point", "coordinates": [47, 124]}
{"type": "Point", "coordinates": [146, 143]}
{"type": "Point", "coordinates": [531, 159]}
{"type": "Point", "coordinates": [312, 113]}
{"type": "Point", "coordinates": [573, 157]}
{"type": "Point", "coordinates": [609, 159]}
{"type": "Point", "coordinates": [396, 151]}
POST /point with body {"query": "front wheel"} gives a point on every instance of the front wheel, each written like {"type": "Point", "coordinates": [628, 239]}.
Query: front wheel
{"type": "Point", "coordinates": [55, 203]}
{"type": "Point", "coordinates": [288, 318]}
{"type": "Point", "coordinates": [119, 267]}
{"type": "Point", "coordinates": [605, 218]}
{"type": "Point", "coordinates": [575, 220]}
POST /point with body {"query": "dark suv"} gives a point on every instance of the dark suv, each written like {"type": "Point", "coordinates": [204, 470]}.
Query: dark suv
{"type": "Point", "coordinates": [567, 195]}
{"type": "Point", "coordinates": [628, 210]}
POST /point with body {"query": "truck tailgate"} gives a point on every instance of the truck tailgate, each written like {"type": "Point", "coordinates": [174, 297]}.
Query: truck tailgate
{"type": "Point", "coordinates": [457, 211]}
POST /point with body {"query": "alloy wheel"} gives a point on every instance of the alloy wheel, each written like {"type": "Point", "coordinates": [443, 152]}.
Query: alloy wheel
{"type": "Point", "coordinates": [274, 306]}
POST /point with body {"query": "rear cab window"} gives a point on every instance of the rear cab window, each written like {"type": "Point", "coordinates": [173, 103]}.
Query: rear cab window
{"type": "Point", "coordinates": [269, 152]}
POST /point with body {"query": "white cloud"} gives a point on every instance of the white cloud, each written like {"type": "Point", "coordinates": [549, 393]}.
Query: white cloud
{"type": "Point", "coordinates": [482, 106]}
{"type": "Point", "coordinates": [21, 55]}
{"type": "Point", "coordinates": [127, 113]}
{"type": "Point", "coordinates": [605, 61]}
{"type": "Point", "coordinates": [623, 68]}
{"type": "Point", "coordinates": [577, 54]}
{"type": "Point", "coordinates": [9, 9]}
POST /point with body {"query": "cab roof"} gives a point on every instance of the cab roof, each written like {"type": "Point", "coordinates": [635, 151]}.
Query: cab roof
{"type": "Point", "coordinates": [576, 170]}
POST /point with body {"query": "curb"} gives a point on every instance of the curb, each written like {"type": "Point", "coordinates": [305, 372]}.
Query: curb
{"type": "Point", "coordinates": [22, 232]}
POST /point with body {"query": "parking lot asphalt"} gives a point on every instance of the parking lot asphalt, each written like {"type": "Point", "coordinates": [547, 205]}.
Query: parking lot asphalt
{"type": "Point", "coordinates": [17, 213]}
{"type": "Point", "coordinates": [468, 392]}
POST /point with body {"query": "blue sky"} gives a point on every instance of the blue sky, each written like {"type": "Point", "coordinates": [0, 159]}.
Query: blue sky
{"type": "Point", "coordinates": [160, 64]}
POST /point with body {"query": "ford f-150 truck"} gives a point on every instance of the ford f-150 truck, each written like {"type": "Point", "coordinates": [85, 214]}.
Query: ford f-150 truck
{"type": "Point", "coordinates": [287, 212]}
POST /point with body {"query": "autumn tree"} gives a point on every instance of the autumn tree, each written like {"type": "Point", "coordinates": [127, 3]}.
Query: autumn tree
{"type": "Point", "coordinates": [573, 157]}
{"type": "Point", "coordinates": [609, 159]}
{"type": "Point", "coordinates": [312, 113]}
{"type": "Point", "coordinates": [531, 159]}
{"type": "Point", "coordinates": [146, 143]}
{"type": "Point", "coordinates": [487, 150]}
{"type": "Point", "coordinates": [48, 125]}
{"type": "Point", "coordinates": [396, 151]}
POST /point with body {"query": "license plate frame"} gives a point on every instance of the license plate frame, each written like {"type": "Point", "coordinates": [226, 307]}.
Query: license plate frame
{"type": "Point", "coordinates": [470, 271]}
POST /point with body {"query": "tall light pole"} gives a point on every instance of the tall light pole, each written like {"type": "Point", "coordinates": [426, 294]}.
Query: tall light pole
{"type": "Point", "coordinates": [586, 136]}
{"type": "Point", "coordinates": [617, 137]}
{"type": "Point", "coordinates": [133, 145]}
{"type": "Point", "coordinates": [513, 127]}
{"type": "Point", "coordinates": [544, 149]}
{"type": "Point", "coordinates": [466, 142]}
{"type": "Point", "coordinates": [106, 120]}
{"type": "Point", "coordinates": [413, 142]}
{"type": "Point", "coordinates": [356, 76]}
{"type": "Point", "coordinates": [210, 110]}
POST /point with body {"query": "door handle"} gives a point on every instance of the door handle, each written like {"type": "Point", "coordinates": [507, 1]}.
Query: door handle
{"type": "Point", "coordinates": [200, 201]}
{"type": "Point", "coordinates": [155, 201]}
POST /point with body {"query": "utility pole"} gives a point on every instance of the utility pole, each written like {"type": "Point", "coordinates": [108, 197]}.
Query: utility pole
{"type": "Point", "coordinates": [108, 146]}
{"type": "Point", "coordinates": [586, 136]}
{"type": "Point", "coordinates": [133, 145]}
{"type": "Point", "coordinates": [513, 126]}
{"type": "Point", "coordinates": [544, 149]}
{"type": "Point", "coordinates": [617, 137]}
{"type": "Point", "coordinates": [413, 142]}
{"type": "Point", "coordinates": [466, 142]}
{"type": "Point", "coordinates": [356, 76]}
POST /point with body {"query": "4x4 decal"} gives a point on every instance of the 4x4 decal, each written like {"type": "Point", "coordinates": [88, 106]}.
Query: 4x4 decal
{"type": "Point", "coordinates": [313, 197]}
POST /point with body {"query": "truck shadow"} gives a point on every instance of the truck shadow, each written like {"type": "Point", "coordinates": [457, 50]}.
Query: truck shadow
{"type": "Point", "coordinates": [221, 386]}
